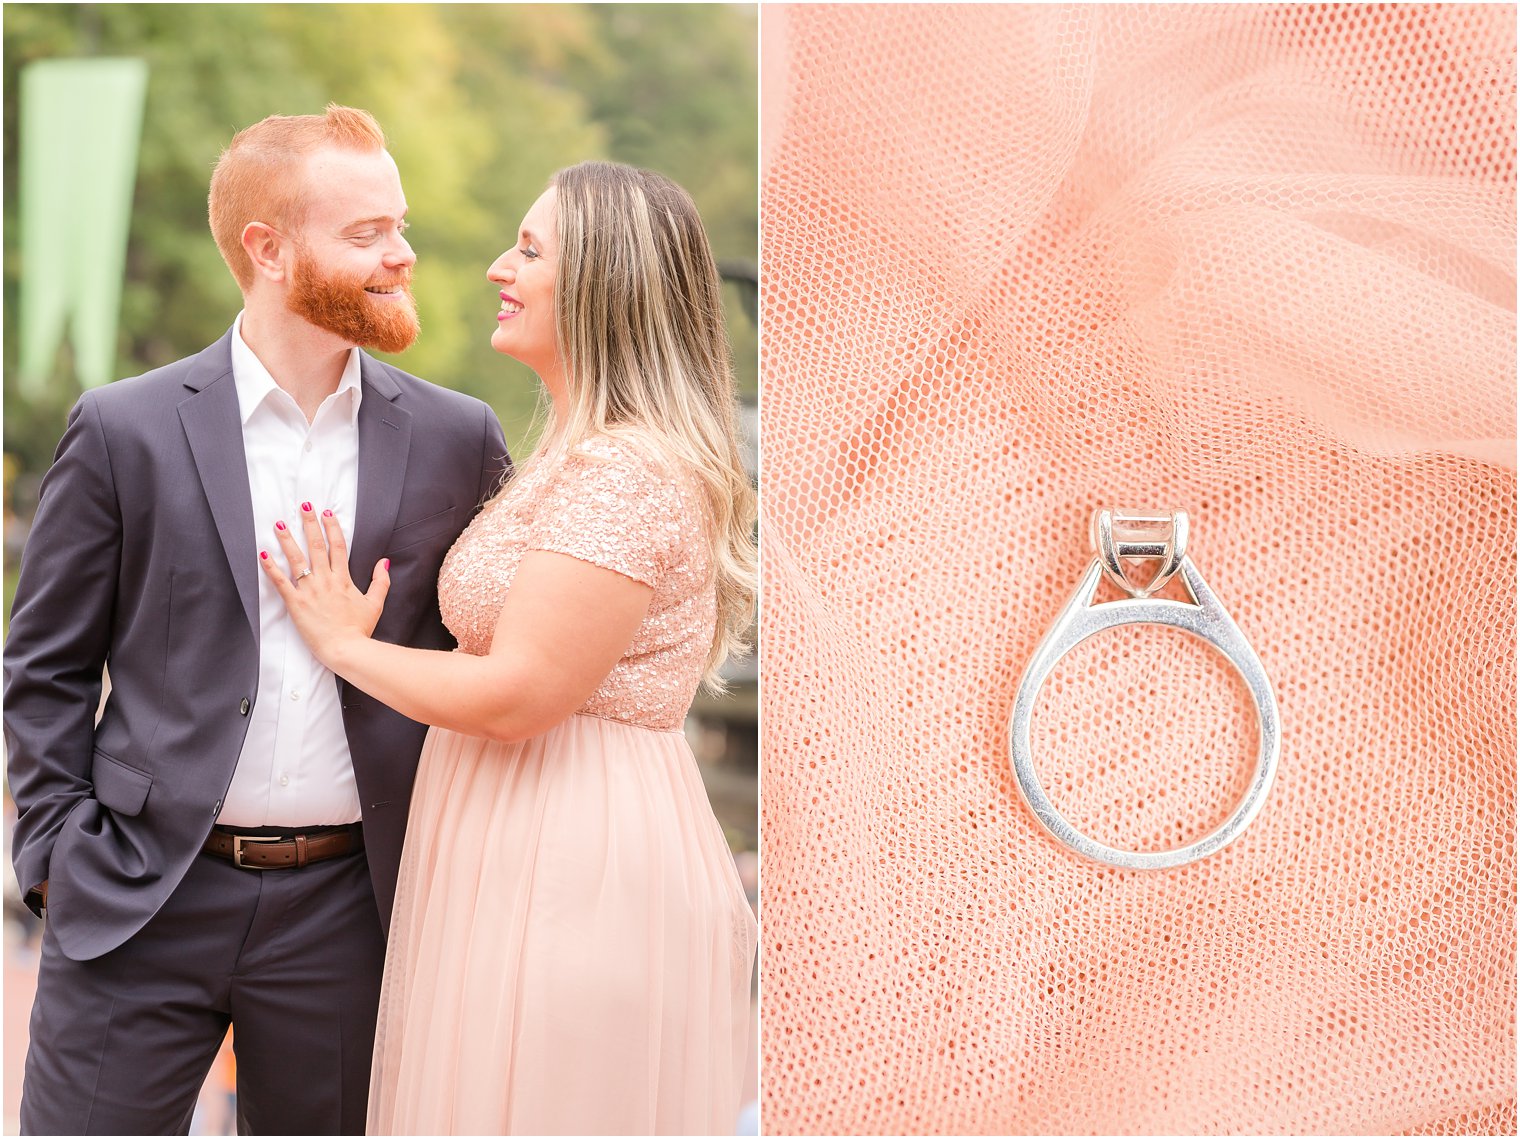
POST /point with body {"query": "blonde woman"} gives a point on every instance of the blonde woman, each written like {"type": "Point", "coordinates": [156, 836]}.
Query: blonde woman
{"type": "Point", "coordinates": [571, 947]}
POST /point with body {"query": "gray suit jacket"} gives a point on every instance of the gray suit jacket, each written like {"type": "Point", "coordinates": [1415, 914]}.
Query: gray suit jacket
{"type": "Point", "coordinates": [143, 555]}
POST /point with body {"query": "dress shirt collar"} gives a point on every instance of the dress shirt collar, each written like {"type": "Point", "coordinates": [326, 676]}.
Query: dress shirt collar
{"type": "Point", "coordinates": [254, 383]}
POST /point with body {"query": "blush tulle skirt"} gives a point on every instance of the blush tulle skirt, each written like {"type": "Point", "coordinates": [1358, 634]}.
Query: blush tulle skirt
{"type": "Point", "coordinates": [571, 947]}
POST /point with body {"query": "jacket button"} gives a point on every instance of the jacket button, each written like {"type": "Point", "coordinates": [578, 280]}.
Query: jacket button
{"type": "Point", "coordinates": [244, 706]}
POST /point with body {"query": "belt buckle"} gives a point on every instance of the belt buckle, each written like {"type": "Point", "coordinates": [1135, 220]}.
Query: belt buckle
{"type": "Point", "coordinates": [237, 849]}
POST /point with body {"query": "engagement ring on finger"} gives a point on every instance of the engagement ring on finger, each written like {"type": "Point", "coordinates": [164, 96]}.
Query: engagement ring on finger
{"type": "Point", "coordinates": [303, 573]}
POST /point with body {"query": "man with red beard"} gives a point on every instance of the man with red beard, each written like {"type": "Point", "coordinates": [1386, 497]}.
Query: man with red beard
{"type": "Point", "coordinates": [222, 846]}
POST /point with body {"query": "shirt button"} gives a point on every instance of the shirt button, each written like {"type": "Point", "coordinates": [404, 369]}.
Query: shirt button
{"type": "Point", "coordinates": [295, 694]}
{"type": "Point", "coordinates": [243, 707]}
{"type": "Point", "coordinates": [308, 444]}
{"type": "Point", "coordinates": [284, 781]}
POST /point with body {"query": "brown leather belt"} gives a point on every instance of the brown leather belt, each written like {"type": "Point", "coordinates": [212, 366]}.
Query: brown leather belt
{"type": "Point", "coordinates": [281, 852]}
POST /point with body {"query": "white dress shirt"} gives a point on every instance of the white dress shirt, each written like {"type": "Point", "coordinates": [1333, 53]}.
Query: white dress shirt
{"type": "Point", "coordinates": [295, 768]}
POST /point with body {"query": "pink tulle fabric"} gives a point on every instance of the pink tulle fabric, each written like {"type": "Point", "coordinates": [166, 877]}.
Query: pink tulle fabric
{"type": "Point", "coordinates": [1255, 262]}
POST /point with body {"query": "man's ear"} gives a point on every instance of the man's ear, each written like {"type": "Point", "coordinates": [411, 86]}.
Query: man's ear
{"type": "Point", "coordinates": [266, 248]}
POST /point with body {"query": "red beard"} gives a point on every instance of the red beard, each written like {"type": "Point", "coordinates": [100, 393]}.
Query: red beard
{"type": "Point", "coordinates": [341, 306]}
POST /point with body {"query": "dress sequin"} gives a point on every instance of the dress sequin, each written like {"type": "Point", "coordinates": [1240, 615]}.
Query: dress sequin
{"type": "Point", "coordinates": [609, 504]}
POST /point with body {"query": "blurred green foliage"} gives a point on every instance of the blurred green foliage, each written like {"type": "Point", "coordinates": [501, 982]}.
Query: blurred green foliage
{"type": "Point", "coordinates": [481, 103]}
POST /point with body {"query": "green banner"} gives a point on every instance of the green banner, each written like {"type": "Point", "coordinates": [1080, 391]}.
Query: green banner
{"type": "Point", "coordinates": [81, 122]}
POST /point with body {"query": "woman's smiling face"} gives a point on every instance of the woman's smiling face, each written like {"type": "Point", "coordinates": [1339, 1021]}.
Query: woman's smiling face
{"type": "Point", "coordinates": [525, 323]}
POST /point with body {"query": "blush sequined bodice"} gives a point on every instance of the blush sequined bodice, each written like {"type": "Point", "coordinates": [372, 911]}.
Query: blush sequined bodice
{"type": "Point", "coordinates": [607, 503]}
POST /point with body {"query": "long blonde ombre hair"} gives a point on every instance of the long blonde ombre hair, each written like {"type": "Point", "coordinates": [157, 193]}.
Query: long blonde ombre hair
{"type": "Point", "coordinates": [640, 334]}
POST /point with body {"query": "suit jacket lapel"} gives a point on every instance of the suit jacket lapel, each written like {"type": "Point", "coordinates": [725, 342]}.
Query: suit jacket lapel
{"type": "Point", "coordinates": [214, 427]}
{"type": "Point", "coordinates": [385, 437]}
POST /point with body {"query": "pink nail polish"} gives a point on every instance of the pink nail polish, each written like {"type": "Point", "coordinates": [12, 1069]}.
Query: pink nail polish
{"type": "Point", "coordinates": [279, 525]}
{"type": "Point", "coordinates": [306, 506]}
{"type": "Point", "coordinates": [264, 554]}
{"type": "Point", "coordinates": [387, 564]}
{"type": "Point", "coordinates": [327, 514]}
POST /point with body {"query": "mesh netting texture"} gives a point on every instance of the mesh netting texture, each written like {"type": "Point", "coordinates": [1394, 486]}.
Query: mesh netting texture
{"type": "Point", "coordinates": [1254, 262]}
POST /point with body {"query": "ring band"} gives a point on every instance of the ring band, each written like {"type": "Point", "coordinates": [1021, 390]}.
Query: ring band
{"type": "Point", "coordinates": [1206, 619]}
{"type": "Point", "coordinates": [303, 573]}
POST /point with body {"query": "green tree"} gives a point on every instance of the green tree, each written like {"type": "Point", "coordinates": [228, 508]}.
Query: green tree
{"type": "Point", "coordinates": [651, 75]}
{"type": "Point", "coordinates": [482, 103]}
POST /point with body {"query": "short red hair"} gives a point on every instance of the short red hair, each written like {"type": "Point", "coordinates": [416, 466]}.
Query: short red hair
{"type": "Point", "coordinates": [256, 178]}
